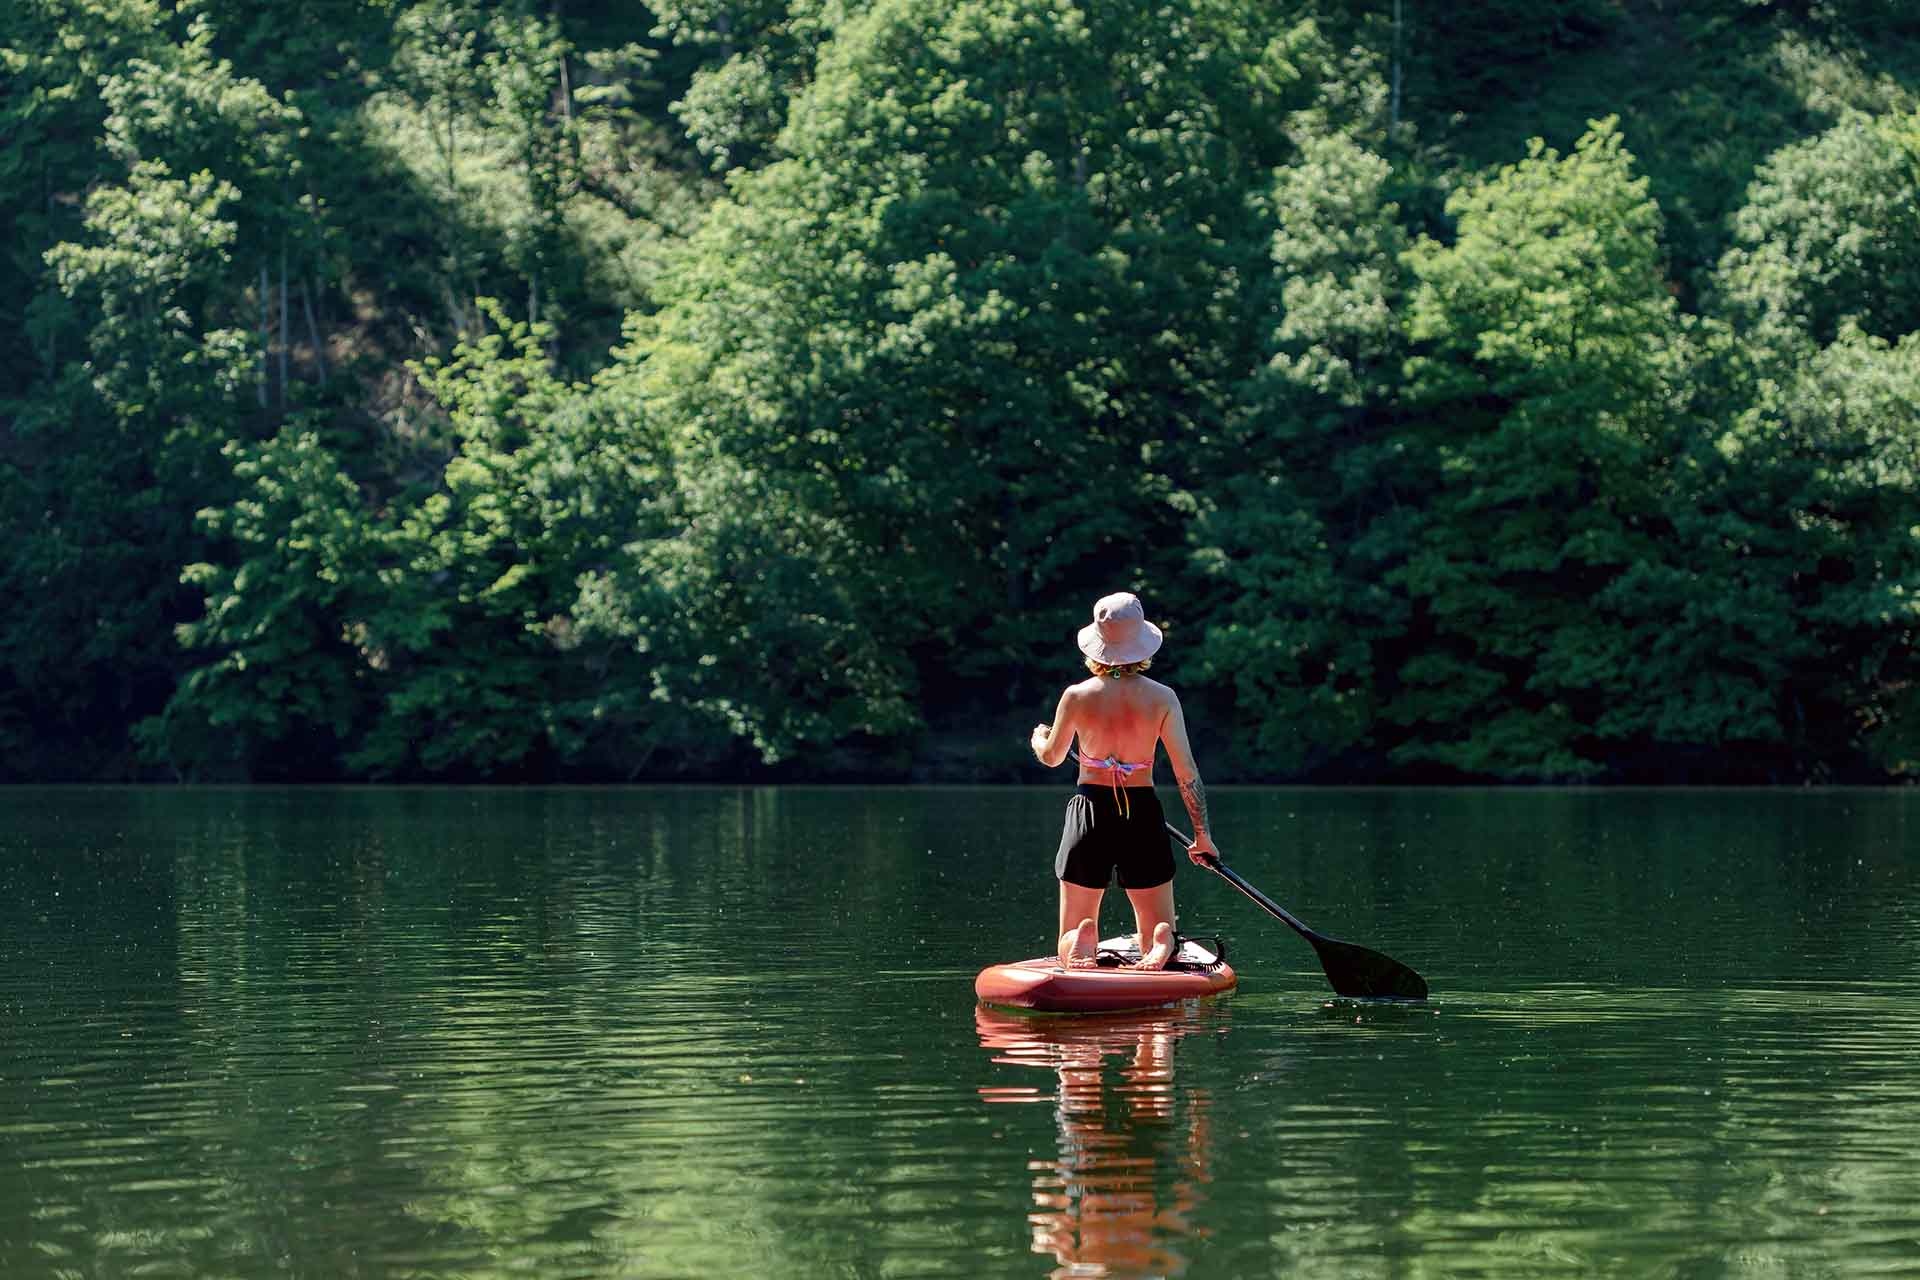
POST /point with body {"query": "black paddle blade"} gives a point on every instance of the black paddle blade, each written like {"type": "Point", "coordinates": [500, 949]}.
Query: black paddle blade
{"type": "Point", "coordinates": [1365, 974]}
{"type": "Point", "coordinates": [1354, 971]}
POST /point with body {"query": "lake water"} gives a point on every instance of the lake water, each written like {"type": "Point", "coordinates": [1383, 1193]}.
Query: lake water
{"type": "Point", "coordinates": [717, 1032]}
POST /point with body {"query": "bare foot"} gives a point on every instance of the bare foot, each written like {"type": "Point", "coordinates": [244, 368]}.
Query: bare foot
{"type": "Point", "coordinates": [1161, 951]}
{"type": "Point", "coordinates": [1078, 944]}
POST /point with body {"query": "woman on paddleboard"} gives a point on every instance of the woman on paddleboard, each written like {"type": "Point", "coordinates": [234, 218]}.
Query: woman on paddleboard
{"type": "Point", "coordinates": [1115, 825]}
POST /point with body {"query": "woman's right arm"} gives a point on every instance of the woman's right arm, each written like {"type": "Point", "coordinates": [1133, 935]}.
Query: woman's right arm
{"type": "Point", "coordinates": [1050, 742]}
{"type": "Point", "coordinates": [1186, 773]}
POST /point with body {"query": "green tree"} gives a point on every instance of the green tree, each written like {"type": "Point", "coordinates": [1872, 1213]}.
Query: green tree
{"type": "Point", "coordinates": [480, 573]}
{"type": "Point", "coordinates": [1775, 635]}
{"type": "Point", "coordinates": [987, 316]}
{"type": "Point", "coordinates": [193, 112]}
{"type": "Point", "coordinates": [1863, 20]}
{"type": "Point", "coordinates": [1829, 233]}
{"type": "Point", "coordinates": [1297, 544]}
{"type": "Point", "coordinates": [285, 678]}
{"type": "Point", "coordinates": [1546, 376]}
{"type": "Point", "coordinates": [760, 56]}
{"type": "Point", "coordinates": [315, 58]}
{"type": "Point", "coordinates": [752, 628]}
{"type": "Point", "coordinates": [53, 53]}
{"type": "Point", "coordinates": [108, 461]}
{"type": "Point", "coordinates": [525, 67]}
{"type": "Point", "coordinates": [430, 632]}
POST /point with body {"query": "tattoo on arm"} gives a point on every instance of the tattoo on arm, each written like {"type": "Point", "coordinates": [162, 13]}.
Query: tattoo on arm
{"type": "Point", "coordinates": [1195, 796]}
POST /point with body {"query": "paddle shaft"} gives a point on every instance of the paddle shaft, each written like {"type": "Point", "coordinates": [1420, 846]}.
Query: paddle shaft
{"type": "Point", "coordinates": [1352, 969]}
{"type": "Point", "coordinates": [1260, 899]}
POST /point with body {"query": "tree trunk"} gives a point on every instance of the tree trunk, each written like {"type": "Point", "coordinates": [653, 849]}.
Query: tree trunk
{"type": "Point", "coordinates": [286, 338]}
{"type": "Point", "coordinates": [1394, 115]}
{"type": "Point", "coordinates": [266, 331]}
{"type": "Point", "coordinates": [46, 194]}
{"type": "Point", "coordinates": [566, 82]}
{"type": "Point", "coordinates": [453, 181]}
{"type": "Point", "coordinates": [313, 330]}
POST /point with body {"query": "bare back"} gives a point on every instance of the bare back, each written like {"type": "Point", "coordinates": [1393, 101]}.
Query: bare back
{"type": "Point", "coordinates": [1124, 719]}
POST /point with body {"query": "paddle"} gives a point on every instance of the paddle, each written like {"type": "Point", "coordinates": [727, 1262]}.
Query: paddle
{"type": "Point", "coordinates": [1353, 970]}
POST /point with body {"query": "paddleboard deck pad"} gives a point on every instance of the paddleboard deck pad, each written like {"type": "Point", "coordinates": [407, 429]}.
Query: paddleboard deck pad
{"type": "Point", "coordinates": [1044, 985]}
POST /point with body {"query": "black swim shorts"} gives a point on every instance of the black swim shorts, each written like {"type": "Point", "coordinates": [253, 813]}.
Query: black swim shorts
{"type": "Point", "coordinates": [1100, 839]}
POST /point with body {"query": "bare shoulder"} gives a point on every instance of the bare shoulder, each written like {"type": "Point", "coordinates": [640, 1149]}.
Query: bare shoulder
{"type": "Point", "coordinates": [1160, 693]}
{"type": "Point", "coordinates": [1082, 691]}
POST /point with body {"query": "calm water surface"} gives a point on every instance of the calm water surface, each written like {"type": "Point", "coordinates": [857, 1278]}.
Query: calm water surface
{"type": "Point", "coordinates": [716, 1032]}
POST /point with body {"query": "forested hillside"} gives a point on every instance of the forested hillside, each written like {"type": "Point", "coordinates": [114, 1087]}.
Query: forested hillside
{"type": "Point", "coordinates": [573, 389]}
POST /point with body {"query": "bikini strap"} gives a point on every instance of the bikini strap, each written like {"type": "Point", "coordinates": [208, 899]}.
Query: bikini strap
{"type": "Point", "coordinates": [1116, 769]}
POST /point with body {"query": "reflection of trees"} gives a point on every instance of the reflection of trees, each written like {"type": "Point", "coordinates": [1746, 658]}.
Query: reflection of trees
{"type": "Point", "coordinates": [610, 1033]}
{"type": "Point", "coordinates": [1719, 887]}
{"type": "Point", "coordinates": [1134, 1153]}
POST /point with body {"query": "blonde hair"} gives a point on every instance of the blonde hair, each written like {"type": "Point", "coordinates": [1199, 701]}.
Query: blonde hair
{"type": "Point", "coordinates": [1123, 669]}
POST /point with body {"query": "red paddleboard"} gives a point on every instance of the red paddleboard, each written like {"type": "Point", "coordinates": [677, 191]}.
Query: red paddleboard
{"type": "Point", "coordinates": [1044, 985]}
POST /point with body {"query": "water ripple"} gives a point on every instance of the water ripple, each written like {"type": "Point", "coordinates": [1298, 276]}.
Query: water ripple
{"type": "Point", "coordinates": [697, 1032]}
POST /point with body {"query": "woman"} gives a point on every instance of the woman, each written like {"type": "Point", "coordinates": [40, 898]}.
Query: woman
{"type": "Point", "coordinates": [1114, 821]}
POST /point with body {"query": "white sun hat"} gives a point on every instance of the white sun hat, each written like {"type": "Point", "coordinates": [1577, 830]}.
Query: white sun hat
{"type": "Point", "coordinates": [1119, 632]}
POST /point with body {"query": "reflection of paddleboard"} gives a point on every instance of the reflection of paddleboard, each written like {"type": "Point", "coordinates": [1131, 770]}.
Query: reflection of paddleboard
{"type": "Point", "coordinates": [1042, 985]}
{"type": "Point", "coordinates": [1020, 1040]}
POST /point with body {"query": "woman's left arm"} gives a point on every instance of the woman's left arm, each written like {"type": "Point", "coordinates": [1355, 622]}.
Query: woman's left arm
{"type": "Point", "coordinates": [1050, 742]}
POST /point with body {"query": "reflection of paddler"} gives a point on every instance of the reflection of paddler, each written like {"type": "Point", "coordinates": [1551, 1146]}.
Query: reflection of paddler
{"type": "Point", "coordinates": [1099, 1206]}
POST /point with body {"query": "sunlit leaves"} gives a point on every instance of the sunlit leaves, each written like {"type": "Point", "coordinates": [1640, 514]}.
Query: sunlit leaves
{"type": "Point", "coordinates": [1830, 232]}
{"type": "Point", "coordinates": [1550, 349]}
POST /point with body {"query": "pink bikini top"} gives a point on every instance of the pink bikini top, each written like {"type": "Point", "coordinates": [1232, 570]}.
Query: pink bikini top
{"type": "Point", "coordinates": [1116, 770]}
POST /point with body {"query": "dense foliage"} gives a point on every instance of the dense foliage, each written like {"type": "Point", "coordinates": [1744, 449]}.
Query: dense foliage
{"type": "Point", "coordinates": [534, 389]}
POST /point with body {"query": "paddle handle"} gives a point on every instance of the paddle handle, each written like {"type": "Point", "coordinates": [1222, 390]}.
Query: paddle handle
{"type": "Point", "coordinates": [1260, 899]}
